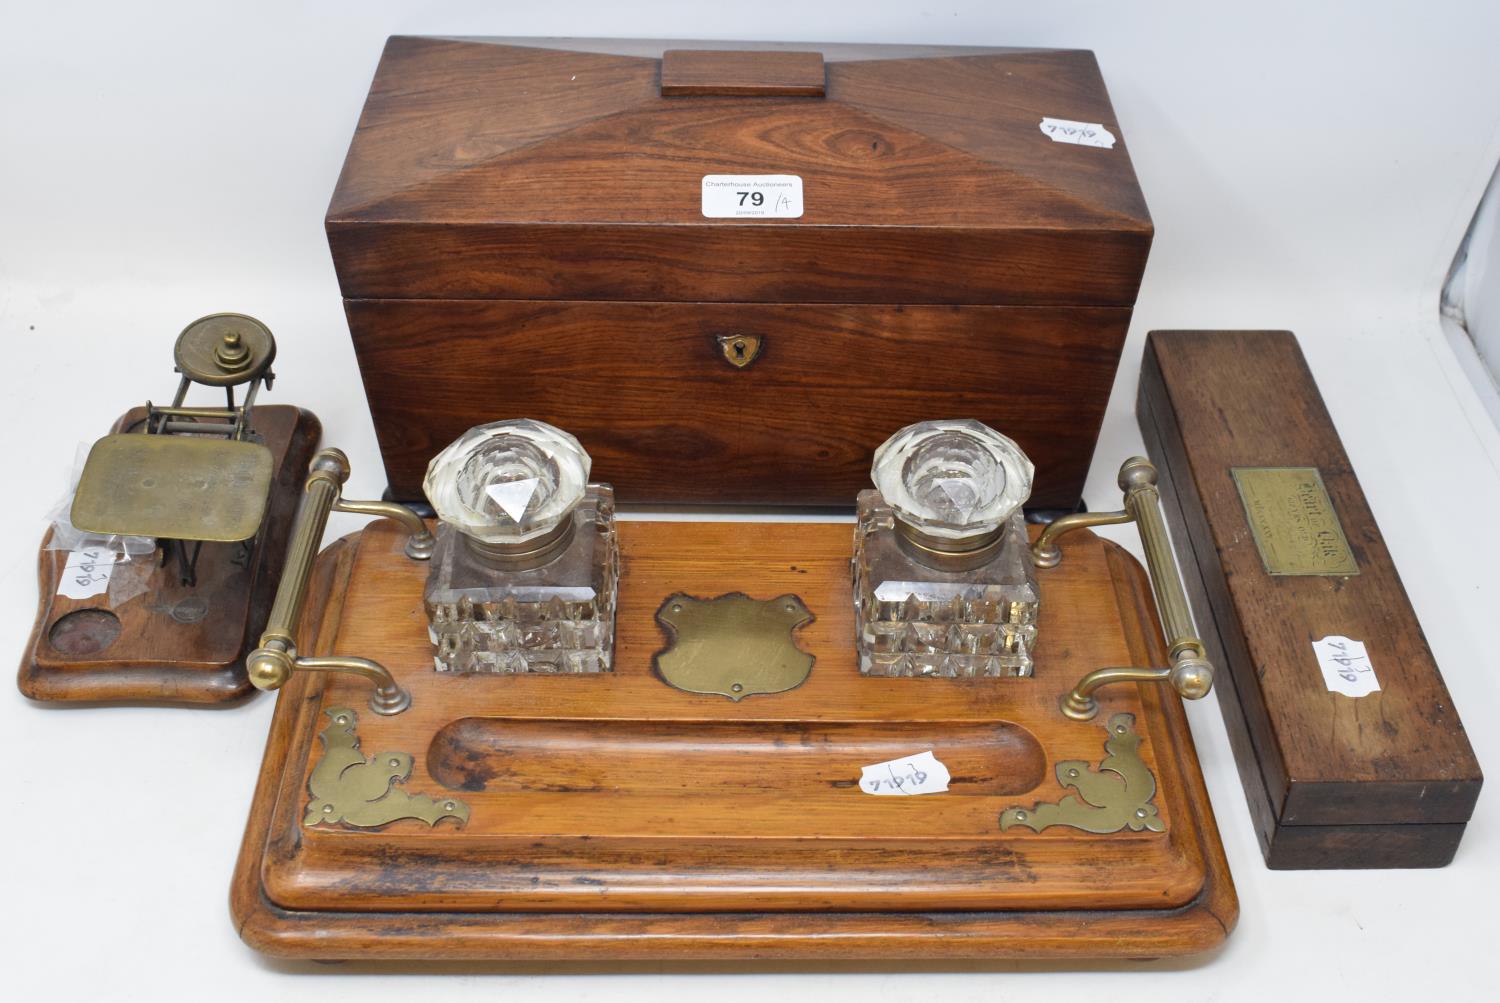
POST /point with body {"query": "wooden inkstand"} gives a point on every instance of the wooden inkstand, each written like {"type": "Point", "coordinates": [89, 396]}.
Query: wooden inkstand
{"type": "Point", "coordinates": [210, 492]}
{"type": "Point", "coordinates": [408, 813]}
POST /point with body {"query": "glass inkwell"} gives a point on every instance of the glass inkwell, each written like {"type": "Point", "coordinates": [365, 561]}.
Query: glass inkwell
{"type": "Point", "coordinates": [943, 581]}
{"type": "Point", "coordinates": [526, 570]}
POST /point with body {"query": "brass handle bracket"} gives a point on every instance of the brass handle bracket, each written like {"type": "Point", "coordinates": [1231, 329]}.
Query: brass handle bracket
{"type": "Point", "coordinates": [1188, 671]}
{"type": "Point", "coordinates": [273, 662]}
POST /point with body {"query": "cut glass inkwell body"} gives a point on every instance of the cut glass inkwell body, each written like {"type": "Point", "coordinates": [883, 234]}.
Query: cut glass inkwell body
{"type": "Point", "coordinates": [943, 582]}
{"type": "Point", "coordinates": [526, 570]}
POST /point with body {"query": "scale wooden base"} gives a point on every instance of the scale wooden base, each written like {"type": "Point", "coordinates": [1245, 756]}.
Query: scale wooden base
{"type": "Point", "coordinates": [614, 817]}
{"type": "Point", "coordinates": [171, 643]}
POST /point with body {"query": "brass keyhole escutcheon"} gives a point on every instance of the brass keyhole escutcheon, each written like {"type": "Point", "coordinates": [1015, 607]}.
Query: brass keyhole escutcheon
{"type": "Point", "coordinates": [739, 350]}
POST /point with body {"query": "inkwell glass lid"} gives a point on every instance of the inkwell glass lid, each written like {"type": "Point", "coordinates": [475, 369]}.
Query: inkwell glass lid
{"type": "Point", "coordinates": [952, 480]}
{"type": "Point", "coordinates": [508, 482]}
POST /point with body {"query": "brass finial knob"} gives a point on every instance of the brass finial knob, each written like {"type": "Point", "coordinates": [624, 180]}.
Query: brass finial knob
{"type": "Point", "coordinates": [233, 354]}
{"type": "Point", "coordinates": [268, 668]}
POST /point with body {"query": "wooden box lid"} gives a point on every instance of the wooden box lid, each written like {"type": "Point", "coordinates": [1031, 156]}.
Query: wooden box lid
{"type": "Point", "coordinates": [1271, 556]}
{"type": "Point", "coordinates": [573, 169]}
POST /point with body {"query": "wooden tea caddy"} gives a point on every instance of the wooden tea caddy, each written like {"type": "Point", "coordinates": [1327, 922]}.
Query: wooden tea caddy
{"type": "Point", "coordinates": [403, 813]}
{"type": "Point", "coordinates": [217, 486]}
{"type": "Point", "coordinates": [540, 201]}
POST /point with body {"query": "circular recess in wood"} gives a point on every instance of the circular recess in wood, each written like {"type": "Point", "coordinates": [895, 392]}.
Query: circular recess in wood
{"type": "Point", "coordinates": [84, 632]}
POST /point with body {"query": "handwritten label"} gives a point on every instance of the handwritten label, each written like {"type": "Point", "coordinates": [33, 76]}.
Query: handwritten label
{"type": "Point", "coordinates": [1346, 667]}
{"type": "Point", "coordinates": [87, 572]}
{"type": "Point", "coordinates": [752, 196]}
{"type": "Point", "coordinates": [919, 774]}
{"type": "Point", "coordinates": [1062, 130]}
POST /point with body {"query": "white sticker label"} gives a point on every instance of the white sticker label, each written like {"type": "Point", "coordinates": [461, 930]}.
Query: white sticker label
{"type": "Point", "coordinates": [1062, 130]}
{"type": "Point", "coordinates": [919, 774]}
{"type": "Point", "coordinates": [513, 496]}
{"type": "Point", "coordinates": [752, 196]}
{"type": "Point", "coordinates": [87, 572]}
{"type": "Point", "coordinates": [1346, 667]}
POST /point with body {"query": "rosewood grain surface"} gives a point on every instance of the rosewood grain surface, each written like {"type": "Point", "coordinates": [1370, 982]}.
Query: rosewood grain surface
{"type": "Point", "coordinates": [177, 644]}
{"type": "Point", "coordinates": [1398, 760]}
{"type": "Point", "coordinates": [667, 419]}
{"type": "Point", "coordinates": [743, 852]}
{"type": "Point", "coordinates": [987, 271]}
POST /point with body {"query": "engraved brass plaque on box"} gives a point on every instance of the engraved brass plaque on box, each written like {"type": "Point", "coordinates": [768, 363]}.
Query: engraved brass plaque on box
{"type": "Point", "coordinates": [1292, 519]}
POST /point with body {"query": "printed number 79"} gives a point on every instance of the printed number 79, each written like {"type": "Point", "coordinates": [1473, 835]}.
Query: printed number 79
{"type": "Point", "coordinates": [756, 198]}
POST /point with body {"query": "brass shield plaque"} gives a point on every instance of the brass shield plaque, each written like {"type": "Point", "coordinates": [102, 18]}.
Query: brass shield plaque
{"type": "Point", "coordinates": [1292, 519]}
{"type": "Point", "coordinates": [733, 645]}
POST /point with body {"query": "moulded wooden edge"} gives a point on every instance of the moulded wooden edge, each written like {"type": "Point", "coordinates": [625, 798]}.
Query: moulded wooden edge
{"type": "Point", "coordinates": [157, 684]}
{"type": "Point", "coordinates": [360, 247]}
{"type": "Point", "coordinates": [1196, 928]}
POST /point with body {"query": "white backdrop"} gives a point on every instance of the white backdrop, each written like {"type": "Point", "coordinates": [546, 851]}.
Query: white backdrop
{"type": "Point", "coordinates": [1308, 166]}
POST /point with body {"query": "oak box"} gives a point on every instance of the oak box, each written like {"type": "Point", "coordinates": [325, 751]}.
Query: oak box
{"type": "Point", "coordinates": [1349, 746]}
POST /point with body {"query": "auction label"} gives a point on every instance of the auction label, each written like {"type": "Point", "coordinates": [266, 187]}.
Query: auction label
{"type": "Point", "coordinates": [1065, 130]}
{"type": "Point", "coordinates": [1346, 666]}
{"type": "Point", "coordinates": [919, 774]}
{"type": "Point", "coordinates": [87, 572]}
{"type": "Point", "coordinates": [752, 196]}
